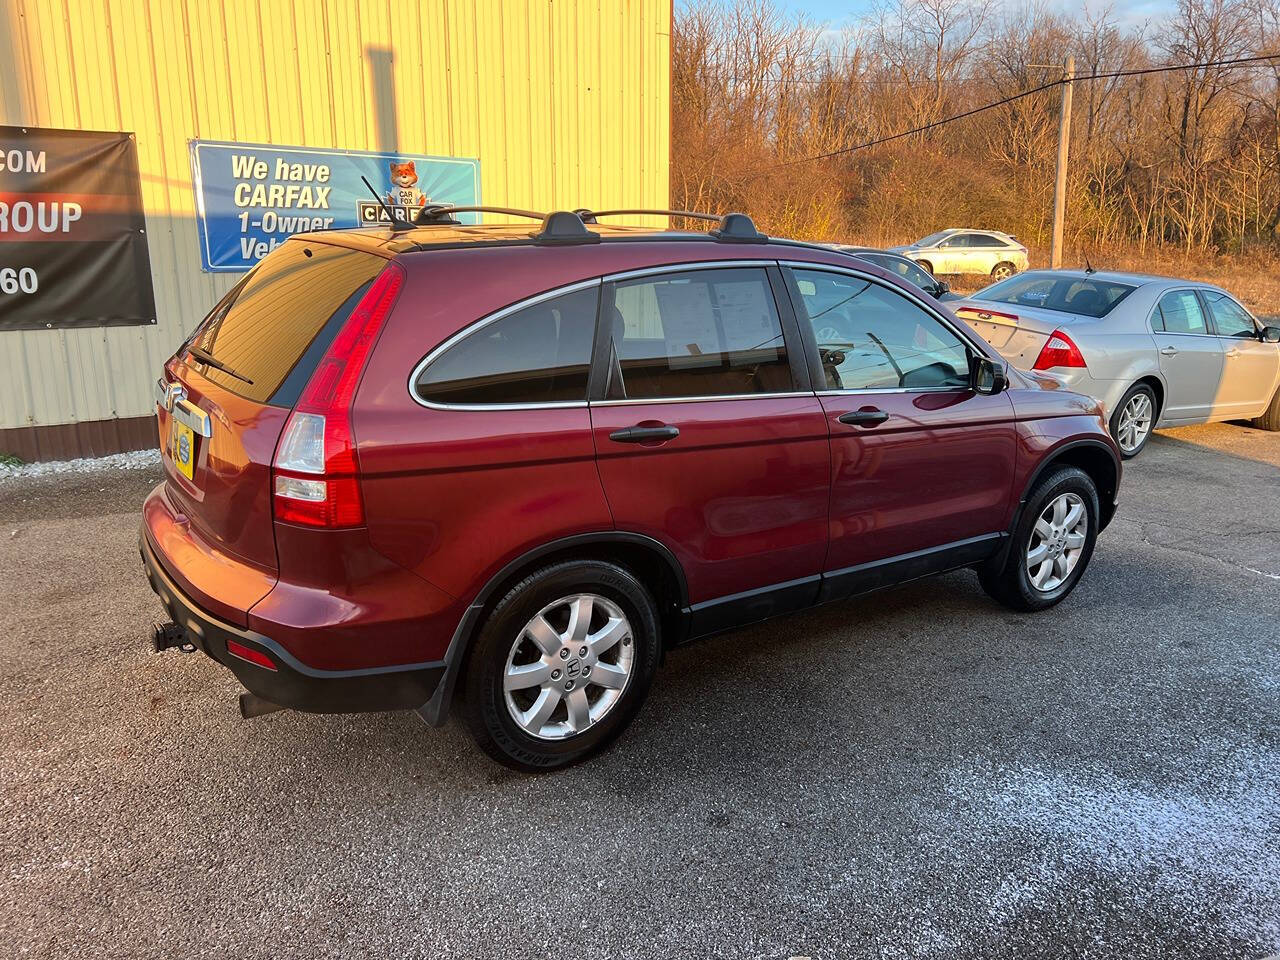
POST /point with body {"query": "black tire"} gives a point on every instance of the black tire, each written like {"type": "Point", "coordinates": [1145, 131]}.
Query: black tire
{"type": "Point", "coordinates": [1114, 425]}
{"type": "Point", "coordinates": [1271, 419]}
{"type": "Point", "coordinates": [1003, 271]}
{"type": "Point", "coordinates": [1006, 579]}
{"type": "Point", "coordinates": [926, 266]}
{"type": "Point", "coordinates": [485, 709]}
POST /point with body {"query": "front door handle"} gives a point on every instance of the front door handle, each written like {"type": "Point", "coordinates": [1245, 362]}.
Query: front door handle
{"type": "Point", "coordinates": [1169, 351]}
{"type": "Point", "coordinates": [644, 434]}
{"type": "Point", "coordinates": [1233, 352]}
{"type": "Point", "coordinates": [867, 417]}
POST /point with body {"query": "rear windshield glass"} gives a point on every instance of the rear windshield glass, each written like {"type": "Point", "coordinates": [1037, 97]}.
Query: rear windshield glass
{"type": "Point", "coordinates": [1084, 296]}
{"type": "Point", "coordinates": [270, 331]}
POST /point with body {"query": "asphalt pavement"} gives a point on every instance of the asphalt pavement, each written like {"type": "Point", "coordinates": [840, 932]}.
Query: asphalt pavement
{"type": "Point", "coordinates": [917, 773]}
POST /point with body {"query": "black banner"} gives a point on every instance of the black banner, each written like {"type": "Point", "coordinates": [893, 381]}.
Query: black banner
{"type": "Point", "coordinates": [73, 243]}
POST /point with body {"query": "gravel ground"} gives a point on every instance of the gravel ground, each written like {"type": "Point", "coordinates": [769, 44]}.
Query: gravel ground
{"type": "Point", "coordinates": [915, 774]}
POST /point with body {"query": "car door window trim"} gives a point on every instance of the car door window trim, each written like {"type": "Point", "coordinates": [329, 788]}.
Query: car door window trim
{"type": "Point", "coordinates": [1204, 309]}
{"type": "Point", "coordinates": [1212, 318]}
{"type": "Point", "coordinates": [480, 325]}
{"type": "Point", "coordinates": [791, 337]}
{"type": "Point", "coordinates": [790, 266]}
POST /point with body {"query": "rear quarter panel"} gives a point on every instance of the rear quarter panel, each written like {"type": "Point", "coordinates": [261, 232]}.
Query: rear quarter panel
{"type": "Point", "coordinates": [453, 495]}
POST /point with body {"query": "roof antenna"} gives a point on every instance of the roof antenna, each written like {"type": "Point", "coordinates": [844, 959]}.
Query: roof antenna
{"type": "Point", "coordinates": [1088, 267]}
{"type": "Point", "coordinates": [397, 224]}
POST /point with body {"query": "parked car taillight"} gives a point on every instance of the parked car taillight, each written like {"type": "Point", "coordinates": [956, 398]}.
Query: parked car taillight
{"type": "Point", "coordinates": [1059, 351]}
{"type": "Point", "coordinates": [315, 472]}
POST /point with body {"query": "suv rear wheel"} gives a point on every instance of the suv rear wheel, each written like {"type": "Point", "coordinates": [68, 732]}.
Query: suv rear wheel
{"type": "Point", "coordinates": [1002, 271]}
{"type": "Point", "coordinates": [562, 665]}
{"type": "Point", "coordinates": [1051, 546]}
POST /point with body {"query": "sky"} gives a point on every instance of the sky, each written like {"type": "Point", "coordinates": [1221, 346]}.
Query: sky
{"type": "Point", "coordinates": [838, 13]}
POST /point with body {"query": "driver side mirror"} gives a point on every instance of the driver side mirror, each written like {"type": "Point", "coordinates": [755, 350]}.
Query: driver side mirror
{"type": "Point", "coordinates": [940, 287]}
{"type": "Point", "coordinates": [1271, 334]}
{"type": "Point", "coordinates": [986, 376]}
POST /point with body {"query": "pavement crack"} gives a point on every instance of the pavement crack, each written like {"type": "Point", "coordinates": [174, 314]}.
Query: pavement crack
{"type": "Point", "coordinates": [1142, 536]}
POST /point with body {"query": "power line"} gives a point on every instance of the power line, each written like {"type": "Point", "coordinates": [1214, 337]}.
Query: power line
{"type": "Point", "coordinates": [1237, 62]}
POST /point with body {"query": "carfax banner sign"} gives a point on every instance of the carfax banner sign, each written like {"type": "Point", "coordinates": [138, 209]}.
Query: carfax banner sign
{"type": "Point", "coordinates": [251, 197]}
{"type": "Point", "coordinates": [73, 242]}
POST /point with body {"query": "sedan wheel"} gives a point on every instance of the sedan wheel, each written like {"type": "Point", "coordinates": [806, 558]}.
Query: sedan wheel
{"type": "Point", "coordinates": [569, 666]}
{"type": "Point", "coordinates": [1134, 421]}
{"type": "Point", "coordinates": [1057, 542]}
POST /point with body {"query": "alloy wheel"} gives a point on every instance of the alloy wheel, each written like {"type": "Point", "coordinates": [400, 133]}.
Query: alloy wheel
{"type": "Point", "coordinates": [1057, 542]}
{"type": "Point", "coordinates": [569, 666]}
{"type": "Point", "coordinates": [1002, 272]}
{"type": "Point", "coordinates": [1135, 422]}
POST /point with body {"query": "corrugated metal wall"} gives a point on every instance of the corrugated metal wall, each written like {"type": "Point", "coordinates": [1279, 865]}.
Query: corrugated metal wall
{"type": "Point", "coordinates": [566, 104]}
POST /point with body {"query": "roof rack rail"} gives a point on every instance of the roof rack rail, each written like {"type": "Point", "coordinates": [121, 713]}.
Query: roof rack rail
{"type": "Point", "coordinates": [589, 216]}
{"type": "Point", "coordinates": [563, 228]}
{"type": "Point", "coordinates": [442, 213]}
{"type": "Point", "coordinates": [734, 227]}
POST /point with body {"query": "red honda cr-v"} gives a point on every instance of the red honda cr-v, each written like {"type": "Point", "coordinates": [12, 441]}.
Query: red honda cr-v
{"type": "Point", "coordinates": [512, 467]}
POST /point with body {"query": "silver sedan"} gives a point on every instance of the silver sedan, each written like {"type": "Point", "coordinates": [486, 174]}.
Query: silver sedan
{"type": "Point", "coordinates": [1154, 351]}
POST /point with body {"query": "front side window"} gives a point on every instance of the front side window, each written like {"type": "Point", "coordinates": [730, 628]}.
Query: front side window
{"type": "Point", "coordinates": [870, 338]}
{"type": "Point", "coordinates": [1179, 312]}
{"type": "Point", "coordinates": [699, 333]}
{"type": "Point", "coordinates": [1229, 318]}
{"type": "Point", "coordinates": [537, 354]}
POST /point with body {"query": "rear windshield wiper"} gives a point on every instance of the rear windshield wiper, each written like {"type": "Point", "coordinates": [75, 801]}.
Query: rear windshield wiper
{"type": "Point", "coordinates": [213, 361]}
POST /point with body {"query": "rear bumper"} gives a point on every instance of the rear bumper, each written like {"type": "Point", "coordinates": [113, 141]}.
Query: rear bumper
{"type": "Point", "coordinates": [291, 684]}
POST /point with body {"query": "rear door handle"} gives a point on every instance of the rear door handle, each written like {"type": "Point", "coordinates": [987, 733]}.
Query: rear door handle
{"type": "Point", "coordinates": [1169, 351]}
{"type": "Point", "coordinates": [864, 418]}
{"type": "Point", "coordinates": [1233, 352]}
{"type": "Point", "coordinates": [644, 434]}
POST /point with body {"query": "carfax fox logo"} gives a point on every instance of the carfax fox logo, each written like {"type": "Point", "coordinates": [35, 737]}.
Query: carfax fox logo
{"type": "Point", "coordinates": [404, 190]}
{"type": "Point", "coordinates": [402, 201]}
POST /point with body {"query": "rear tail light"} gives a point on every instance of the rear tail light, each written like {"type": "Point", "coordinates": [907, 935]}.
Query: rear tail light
{"type": "Point", "coordinates": [1059, 351]}
{"type": "Point", "coordinates": [315, 475]}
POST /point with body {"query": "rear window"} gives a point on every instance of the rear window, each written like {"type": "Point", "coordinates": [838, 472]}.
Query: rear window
{"type": "Point", "coordinates": [271, 330]}
{"type": "Point", "coordinates": [1084, 296]}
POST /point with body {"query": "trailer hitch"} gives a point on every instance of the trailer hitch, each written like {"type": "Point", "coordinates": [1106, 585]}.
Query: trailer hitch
{"type": "Point", "coordinates": [168, 635]}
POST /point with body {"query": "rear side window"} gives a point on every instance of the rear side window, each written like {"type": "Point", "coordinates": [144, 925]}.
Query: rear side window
{"type": "Point", "coordinates": [271, 330]}
{"type": "Point", "coordinates": [1229, 318]}
{"type": "Point", "coordinates": [1180, 312]}
{"type": "Point", "coordinates": [702, 333]}
{"type": "Point", "coordinates": [536, 354]}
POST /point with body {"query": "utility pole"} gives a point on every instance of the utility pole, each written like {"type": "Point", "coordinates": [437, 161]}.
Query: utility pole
{"type": "Point", "coordinates": [1064, 145]}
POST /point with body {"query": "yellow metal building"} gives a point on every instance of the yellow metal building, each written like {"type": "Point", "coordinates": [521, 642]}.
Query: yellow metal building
{"type": "Point", "coordinates": [564, 102]}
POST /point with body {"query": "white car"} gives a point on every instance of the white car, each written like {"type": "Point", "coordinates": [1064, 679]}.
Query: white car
{"type": "Point", "coordinates": [1153, 351]}
{"type": "Point", "coordinates": [955, 250]}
